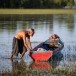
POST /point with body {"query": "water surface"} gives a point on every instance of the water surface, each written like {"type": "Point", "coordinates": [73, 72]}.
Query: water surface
{"type": "Point", "coordinates": [62, 24]}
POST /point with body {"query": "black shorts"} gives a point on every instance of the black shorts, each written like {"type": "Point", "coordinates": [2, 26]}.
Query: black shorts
{"type": "Point", "coordinates": [18, 46]}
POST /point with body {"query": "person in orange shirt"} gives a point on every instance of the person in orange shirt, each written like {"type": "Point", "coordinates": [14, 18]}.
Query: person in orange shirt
{"type": "Point", "coordinates": [21, 42]}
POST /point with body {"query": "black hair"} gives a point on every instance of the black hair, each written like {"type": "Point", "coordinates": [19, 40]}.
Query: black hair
{"type": "Point", "coordinates": [32, 30]}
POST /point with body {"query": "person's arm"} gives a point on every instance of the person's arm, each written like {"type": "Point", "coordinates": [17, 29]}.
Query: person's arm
{"type": "Point", "coordinates": [29, 43]}
{"type": "Point", "coordinates": [25, 43]}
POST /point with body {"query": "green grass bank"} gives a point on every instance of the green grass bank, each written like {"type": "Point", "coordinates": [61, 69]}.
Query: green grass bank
{"type": "Point", "coordinates": [37, 11]}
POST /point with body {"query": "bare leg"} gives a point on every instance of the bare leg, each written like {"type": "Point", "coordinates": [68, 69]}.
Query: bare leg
{"type": "Point", "coordinates": [11, 55]}
{"type": "Point", "coordinates": [23, 54]}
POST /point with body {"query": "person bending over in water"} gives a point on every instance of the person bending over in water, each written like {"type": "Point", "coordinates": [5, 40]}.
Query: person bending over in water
{"type": "Point", "coordinates": [21, 42]}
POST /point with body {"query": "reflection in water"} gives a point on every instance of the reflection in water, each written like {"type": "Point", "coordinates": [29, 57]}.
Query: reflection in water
{"type": "Point", "coordinates": [44, 25]}
{"type": "Point", "coordinates": [21, 65]}
{"type": "Point", "coordinates": [67, 20]}
{"type": "Point", "coordinates": [5, 65]}
{"type": "Point", "coordinates": [56, 58]}
{"type": "Point", "coordinates": [22, 68]}
{"type": "Point", "coordinates": [18, 65]}
{"type": "Point", "coordinates": [53, 63]}
{"type": "Point", "coordinates": [9, 25]}
{"type": "Point", "coordinates": [41, 66]}
{"type": "Point", "coordinates": [63, 24]}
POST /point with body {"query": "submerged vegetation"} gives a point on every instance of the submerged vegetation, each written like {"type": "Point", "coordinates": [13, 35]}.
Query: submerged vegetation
{"type": "Point", "coordinates": [19, 68]}
{"type": "Point", "coordinates": [31, 72]}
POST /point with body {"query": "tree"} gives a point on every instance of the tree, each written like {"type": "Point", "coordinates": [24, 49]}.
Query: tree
{"type": "Point", "coordinates": [35, 3]}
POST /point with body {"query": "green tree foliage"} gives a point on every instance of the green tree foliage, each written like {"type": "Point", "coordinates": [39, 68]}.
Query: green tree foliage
{"type": "Point", "coordinates": [70, 2]}
{"type": "Point", "coordinates": [35, 3]}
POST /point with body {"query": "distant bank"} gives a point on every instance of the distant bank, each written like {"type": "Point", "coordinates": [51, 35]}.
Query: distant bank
{"type": "Point", "coordinates": [37, 11]}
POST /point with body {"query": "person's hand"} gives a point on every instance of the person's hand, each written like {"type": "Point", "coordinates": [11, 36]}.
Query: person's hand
{"type": "Point", "coordinates": [28, 52]}
{"type": "Point", "coordinates": [30, 49]}
{"type": "Point", "coordinates": [21, 56]}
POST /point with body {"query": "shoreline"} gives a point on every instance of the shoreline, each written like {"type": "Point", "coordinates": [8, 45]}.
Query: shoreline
{"type": "Point", "coordinates": [37, 11]}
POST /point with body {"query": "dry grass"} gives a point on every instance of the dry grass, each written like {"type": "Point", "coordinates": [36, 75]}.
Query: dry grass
{"type": "Point", "coordinates": [37, 11]}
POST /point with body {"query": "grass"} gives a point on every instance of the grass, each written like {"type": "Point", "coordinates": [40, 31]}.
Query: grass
{"type": "Point", "coordinates": [33, 72]}
{"type": "Point", "coordinates": [67, 72]}
{"type": "Point", "coordinates": [37, 11]}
